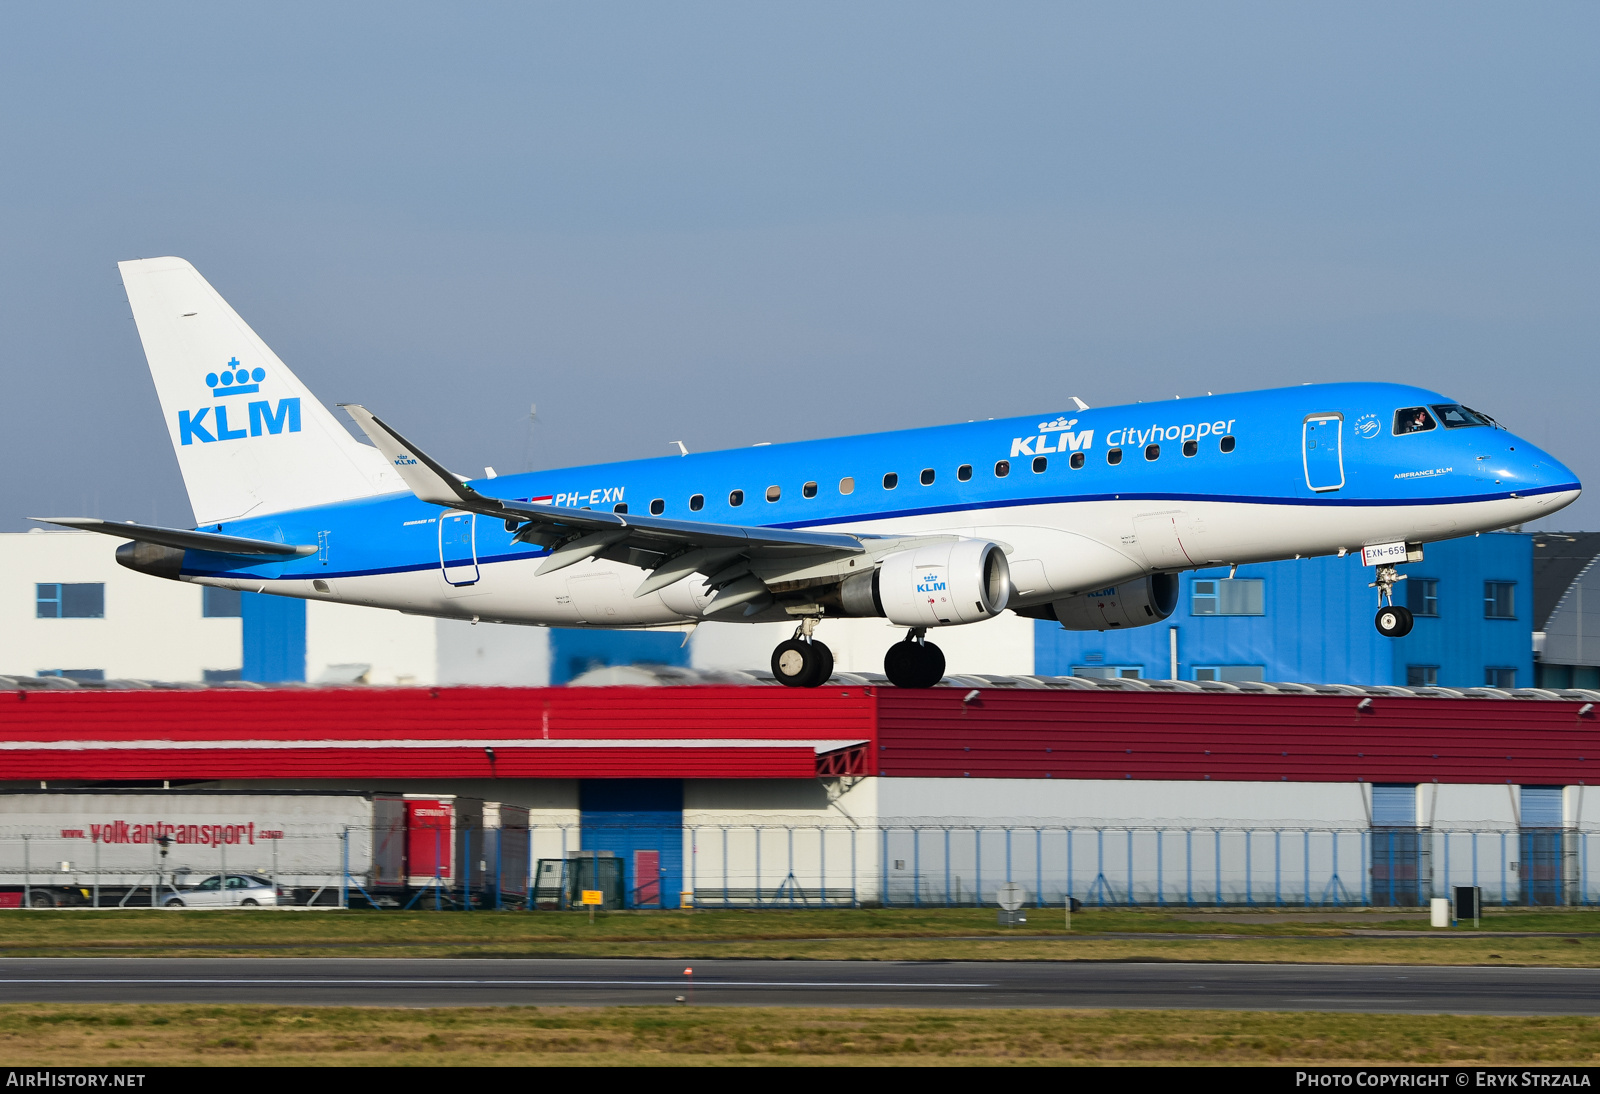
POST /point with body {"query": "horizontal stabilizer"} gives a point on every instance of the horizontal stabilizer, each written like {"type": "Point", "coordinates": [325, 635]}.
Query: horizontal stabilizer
{"type": "Point", "coordinates": [183, 539]}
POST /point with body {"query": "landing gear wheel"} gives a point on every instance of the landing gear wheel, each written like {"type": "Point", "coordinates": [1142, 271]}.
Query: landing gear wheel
{"type": "Point", "coordinates": [914, 664]}
{"type": "Point", "coordinates": [1394, 621]}
{"type": "Point", "coordinates": [800, 664]}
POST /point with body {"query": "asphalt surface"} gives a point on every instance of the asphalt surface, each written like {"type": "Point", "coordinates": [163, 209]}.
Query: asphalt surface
{"type": "Point", "coordinates": [585, 982]}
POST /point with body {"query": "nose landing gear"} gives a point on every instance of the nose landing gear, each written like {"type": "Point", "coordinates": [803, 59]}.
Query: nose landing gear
{"type": "Point", "coordinates": [915, 662]}
{"type": "Point", "coordinates": [1392, 620]}
{"type": "Point", "coordinates": [802, 661]}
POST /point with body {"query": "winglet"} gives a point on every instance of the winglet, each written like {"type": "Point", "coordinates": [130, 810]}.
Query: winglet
{"type": "Point", "coordinates": [426, 478]}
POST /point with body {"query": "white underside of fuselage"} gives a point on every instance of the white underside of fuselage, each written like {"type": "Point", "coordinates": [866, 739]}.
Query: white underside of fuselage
{"type": "Point", "coordinates": [1055, 550]}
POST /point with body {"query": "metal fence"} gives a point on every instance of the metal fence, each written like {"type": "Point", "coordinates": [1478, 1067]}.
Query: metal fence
{"type": "Point", "coordinates": [803, 866]}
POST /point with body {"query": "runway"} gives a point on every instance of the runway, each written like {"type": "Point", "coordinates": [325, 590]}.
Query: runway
{"type": "Point", "coordinates": [585, 982]}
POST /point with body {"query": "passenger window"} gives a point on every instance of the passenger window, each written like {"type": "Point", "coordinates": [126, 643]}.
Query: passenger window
{"type": "Point", "coordinates": [927, 476]}
{"type": "Point", "coordinates": [847, 485]}
{"type": "Point", "coordinates": [1002, 469]}
{"type": "Point", "coordinates": [809, 490]}
{"type": "Point", "coordinates": [620, 507]}
{"type": "Point", "coordinates": [773, 493]}
{"type": "Point", "coordinates": [1413, 419]}
{"type": "Point", "coordinates": [1226, 444]}
{"type": "Point", "coordinates": [1039, 464]}
{"type": "Point", "coordinates": [697, 503]}
{"type": "Point", "coordinates": [736, 498]}
{"type": "Point", "coordinates": [657, 507]}
{"type": "Point", "coordinates": [1152, 451]}
{"type": "Point", "coordinates": [964, 473]}
{"type": "Point", "coordinates": [1191, 447]}
{"type": "Point", "coordinates": [1076, 461]}
{"type": "Point", "coordinates": [890, 481]}
{"type": "Point", "coordinates": [1114, 456]}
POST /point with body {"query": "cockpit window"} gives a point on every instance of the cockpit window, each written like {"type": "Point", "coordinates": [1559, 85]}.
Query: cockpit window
{"type": "Point", "coordinates": [1413, 419]}
{"type": "Point", "coordinates": [1456, 416]}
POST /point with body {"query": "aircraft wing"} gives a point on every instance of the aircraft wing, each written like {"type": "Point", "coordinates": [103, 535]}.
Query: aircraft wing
{"type": "Point", "coordinates": [739, 561]}
{"type": "Point", "coordinates": [182, 538]}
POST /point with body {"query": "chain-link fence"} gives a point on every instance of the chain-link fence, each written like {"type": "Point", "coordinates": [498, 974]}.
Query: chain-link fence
{"type": "Point", "coordinates": [793, 866]}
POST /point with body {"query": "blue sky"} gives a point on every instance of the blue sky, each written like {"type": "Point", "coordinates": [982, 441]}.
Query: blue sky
{"type": "Point", "coordinates": [732, 223]}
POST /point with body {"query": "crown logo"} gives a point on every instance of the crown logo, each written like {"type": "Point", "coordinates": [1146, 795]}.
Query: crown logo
{"type": "Point", "coordinates": [1061, 423]}
{"type": "Point", "coordinates": [235, 379]}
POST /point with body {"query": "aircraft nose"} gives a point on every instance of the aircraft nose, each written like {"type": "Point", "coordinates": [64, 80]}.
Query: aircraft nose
{"type": "Point", "coordinates": [1526, 469]}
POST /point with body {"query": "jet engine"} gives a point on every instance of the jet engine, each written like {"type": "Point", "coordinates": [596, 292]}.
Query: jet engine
{"type": "Point", "coordinates": [937, 585]}
{"type": "Point", "coordinates": [1135, 603]}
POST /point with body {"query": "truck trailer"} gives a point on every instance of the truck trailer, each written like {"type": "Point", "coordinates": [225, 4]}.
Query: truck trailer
{"type": "Point", "coordinates": [146, 848]}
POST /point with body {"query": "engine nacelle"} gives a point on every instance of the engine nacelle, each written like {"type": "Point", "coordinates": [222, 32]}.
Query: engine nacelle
{"type": "Point", "coordinates": [1135, 603]}
{"type": "Point", "coordinates": [939, 585]}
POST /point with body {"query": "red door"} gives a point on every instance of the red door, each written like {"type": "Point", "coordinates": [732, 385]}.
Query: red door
{"type": "Point", "coordinates": [647, 879]}
{"type": "Point", "coordinates": [428, 839]}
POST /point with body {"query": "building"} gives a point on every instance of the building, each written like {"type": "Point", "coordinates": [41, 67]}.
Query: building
{"type": "Point", "coordinates": [68, 608]}
{"type": "Point", "coordinates": [1311, 619]}
{"type": "Point", "coordinates": [1566, 610]}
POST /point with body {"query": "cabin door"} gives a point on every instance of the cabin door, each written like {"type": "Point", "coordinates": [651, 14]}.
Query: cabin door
{"type": "Point", "coordinates": [1321, 449]}
{"type": "Point", "coordinates": [458, 555]}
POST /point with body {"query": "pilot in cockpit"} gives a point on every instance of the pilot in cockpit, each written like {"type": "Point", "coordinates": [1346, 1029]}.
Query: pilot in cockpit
{"type": "Point", "coordinates": [1415, 419]}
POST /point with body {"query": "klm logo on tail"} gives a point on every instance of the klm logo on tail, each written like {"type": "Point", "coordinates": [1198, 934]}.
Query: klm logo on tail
{"type": "Point", "coordinates": [234, 379]}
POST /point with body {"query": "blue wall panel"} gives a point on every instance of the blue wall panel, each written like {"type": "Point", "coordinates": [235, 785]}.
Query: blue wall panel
{"type": "Point", "coordinates": [274, 638]}
{"type": "Point", "coordinates": [574, 652]}
{"type": "Point", "coordinates": [627, 815]}
{"type": "Point", "coordinates": [1317, 626]}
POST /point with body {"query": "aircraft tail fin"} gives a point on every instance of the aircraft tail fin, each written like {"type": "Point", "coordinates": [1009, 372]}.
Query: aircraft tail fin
{"type": "Point", "coordinates": [250, 438]}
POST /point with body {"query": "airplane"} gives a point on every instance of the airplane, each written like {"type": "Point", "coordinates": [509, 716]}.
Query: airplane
{"type": "Point", "coordinates": [1084, 516]}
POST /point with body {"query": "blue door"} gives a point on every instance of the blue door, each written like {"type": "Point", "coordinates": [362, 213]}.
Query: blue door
{"type": "Point", "coordinates": [1321, 449]}
{"type": "Point", "coordinates": [639, 821]}
{"type": "Point", "coordinates": [458, 557]}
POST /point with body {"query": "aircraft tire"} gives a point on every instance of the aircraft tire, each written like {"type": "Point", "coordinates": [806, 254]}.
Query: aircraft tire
{"type": "Point", "coordinates": [914, 664]}
{"type": "Point", "coordinates": [798, 664]}
{"type": "Point", "coordinates": [1394, 622]}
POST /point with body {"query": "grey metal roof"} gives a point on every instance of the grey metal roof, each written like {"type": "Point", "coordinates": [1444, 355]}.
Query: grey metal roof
{"type": "Point", "coordinates": [1558, 559]}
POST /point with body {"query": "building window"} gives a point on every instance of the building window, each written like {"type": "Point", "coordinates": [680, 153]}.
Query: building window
{"type": "Point", "coordinates": [71, 600]}
{"type": "Point", "coordinates": [220, 603]}
{"type": "Point", "coordinates": [1230, 673]}
{"type": "Point", "coordinates": [1228, 596]}
{"type": "Point", "coordinates": [74, 674]}
{"type": "Point", "coordinates": [221, 676]}
{"type": "Point", "coordinates": [1110, 672]}
{"type": "Point", "coordinates": [1499, 600]}
{"type": "Point", "coordinates": [1497, 676]}
{"type": "Point", "coordinates": [1422, 596]}
{"type": "Point", "coordinates": [1422, 676]}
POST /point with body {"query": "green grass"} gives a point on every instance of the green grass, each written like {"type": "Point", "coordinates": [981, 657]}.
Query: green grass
{"type": "Point", "coordinates": [888, 934]}
{"type": "Point", "coordinates": [127, 1036]}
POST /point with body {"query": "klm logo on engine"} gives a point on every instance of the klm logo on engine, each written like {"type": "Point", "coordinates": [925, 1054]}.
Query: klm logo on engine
{"type": "Point", "coordinates": [931, 583]}
{"type": "Point", "coordinates": [210, 423]}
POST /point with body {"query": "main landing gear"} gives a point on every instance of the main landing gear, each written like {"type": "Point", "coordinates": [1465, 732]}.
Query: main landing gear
{"type": "Point", "coordinates": [915, 662]}
{"type": "Point", "coordinates": [802, 662]}
{"type": "Point", "coordinates": [1392, 620]}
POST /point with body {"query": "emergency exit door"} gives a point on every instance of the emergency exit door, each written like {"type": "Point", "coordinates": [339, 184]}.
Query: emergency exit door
{"type": "Point", "coordinates": [458, 556]}
{"type": "Point", "coordinates": [1322, 451]}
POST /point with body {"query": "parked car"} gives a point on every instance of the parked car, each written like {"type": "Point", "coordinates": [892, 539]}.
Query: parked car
{"type": "Point", "coordinates": [241, 891]}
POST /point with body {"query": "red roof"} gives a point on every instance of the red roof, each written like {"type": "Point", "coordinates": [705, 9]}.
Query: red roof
{"type": "Point", "coordinates": [739, 732]}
